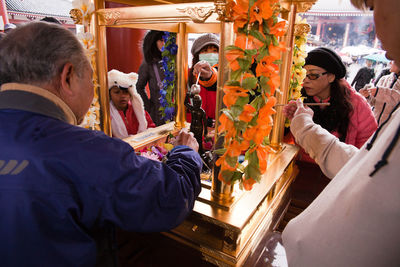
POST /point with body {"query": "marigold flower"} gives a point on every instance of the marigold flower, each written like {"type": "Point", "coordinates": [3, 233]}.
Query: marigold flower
{"type": "Point", "coordinates": [248, 183]}
{"type": "Point", "coordinates": [279, 29]}
{"type": "Point", "coordinates": [240, 14]}
{"type": "Point", "coordinates": [247, 113]}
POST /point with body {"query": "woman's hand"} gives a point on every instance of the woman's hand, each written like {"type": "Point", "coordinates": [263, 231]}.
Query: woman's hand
{"type": "Point", "coordinates": [187, 139]}
{"type": "Point", "coordinates": [203, 68]}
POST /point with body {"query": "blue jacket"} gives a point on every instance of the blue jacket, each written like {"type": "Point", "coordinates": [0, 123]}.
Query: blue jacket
{"type": "Point", "coordinates": [63, 187]}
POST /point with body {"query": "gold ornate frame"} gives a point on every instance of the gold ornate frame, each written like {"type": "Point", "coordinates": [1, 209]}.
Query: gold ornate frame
{"type": "Point", "coordinates": [199, 17]}
{"type": "Point", "coordinates": [224, 230]}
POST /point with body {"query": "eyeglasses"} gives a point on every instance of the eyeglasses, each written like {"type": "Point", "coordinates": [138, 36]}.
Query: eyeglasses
{"type": "Point", "coordinates": [314, 76]}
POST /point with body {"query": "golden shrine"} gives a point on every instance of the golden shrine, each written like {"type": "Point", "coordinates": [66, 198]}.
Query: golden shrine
{"type": "Point", "coordinates": [226, 223]}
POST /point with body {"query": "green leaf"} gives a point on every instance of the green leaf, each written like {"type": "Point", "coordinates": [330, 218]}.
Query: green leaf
{"type": "Point", "coordinates": [250, 52]}
{"type": "Point", "coordinates": [235, 75]}
{"type": "Point", "coordinates": [249, 83]}
{"type": "Point", "coordinates": [227, 175]}
{"type": "Point", "coordinates": [233, 47]}
{"type": "Point", "coordinates": [264, 84]}
{"type": "Point", "coordinates": [241, 101]}
{"type": "Point", "coordinates": [241, 125]}
{"type": "Point", "coordinates": [228, 114]}
{"type": "Point", "coordinates": [258, 35]}
{"type": "Point", "coordinates": [233, 83]}
{"type": "Point", "coordinates": [231, 161]}
{"type": "Point", "coordinates": [244, 63]}
{"type": "Point", "coordinates": [253, 121]}
{"type": "Point", "coordinates": [274, 40]}
{"type": "Point", "coordinates": [251, 92]}
{"type": "Point", "coordinates": [236, 176]}
{"type": "Point", "coordinates": [253, 170]}
{"type": "Point", "coordinates": [257, 102]}
{"type": "Point", "coordinates": [251, 3]}
{"type": "Point", "coordinates": [220, 151]}
{"type": "Point", "coordinates": [263, 53]}
{"type": "Point", "coordinates": [236, 110]}
{"type": "Point", "coordinates": [265, 27]}
{"type": "Point", "coordinates": [266, 141]}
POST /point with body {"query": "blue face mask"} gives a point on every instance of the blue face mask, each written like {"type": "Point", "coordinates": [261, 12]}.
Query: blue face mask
{"type": "Point", "coordinates": [211, 58]}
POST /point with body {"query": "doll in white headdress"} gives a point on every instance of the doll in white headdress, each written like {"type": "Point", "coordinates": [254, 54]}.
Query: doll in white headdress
{"type": "Point", "coordinates": [127, 112]}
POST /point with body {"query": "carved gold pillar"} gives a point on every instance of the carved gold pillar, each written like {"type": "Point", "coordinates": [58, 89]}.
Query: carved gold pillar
{"type": "Point", "coordinates": [289, 11]}
{"type": "Point", "coordinates": [101, 60]}
{"type": "Point", "coordinates": [282, 95]}
{"type": "Point", "coordinates": [221, 192]}
{"type": "Point", "coordinates": [182, 66]}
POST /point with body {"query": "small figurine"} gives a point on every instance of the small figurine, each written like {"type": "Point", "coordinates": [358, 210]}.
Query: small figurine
{"type": "Point", "coordinates": [198, 126]}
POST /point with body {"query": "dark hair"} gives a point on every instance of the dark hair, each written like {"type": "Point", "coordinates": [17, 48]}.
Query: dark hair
{"type": "Point", "coordinates": [51, 19]}
{"type": "Point", "coordinates": [336, 116]}
{"type": "Point", "coordinates": [196, 59]}
{"type": "Point", "coordinates": [150, 50]}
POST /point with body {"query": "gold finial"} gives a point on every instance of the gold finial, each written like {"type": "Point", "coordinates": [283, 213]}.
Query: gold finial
{"type": "Point", "coordinates": [76, 15]}
{"type": "Point", "coordinates": [301, 29]}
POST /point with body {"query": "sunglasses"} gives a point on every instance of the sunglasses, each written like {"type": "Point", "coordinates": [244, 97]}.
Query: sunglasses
{"type": "Point", "coordinates": [314, 76]}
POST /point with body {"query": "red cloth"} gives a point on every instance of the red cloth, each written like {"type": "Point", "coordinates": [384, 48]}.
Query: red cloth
{"type": "Point", "coordinates": [131, 122]}
{"type": "Point", "coordinates": [208, 101]}
{"type": "Point", "coordinates": [208, 95]}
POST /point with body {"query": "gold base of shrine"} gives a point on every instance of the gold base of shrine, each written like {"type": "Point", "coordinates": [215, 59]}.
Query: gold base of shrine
{"type": "Point", "coordinates": [225, 232]}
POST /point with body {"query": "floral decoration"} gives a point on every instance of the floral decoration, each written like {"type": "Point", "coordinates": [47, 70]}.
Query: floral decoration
{"type": "Point", "coordinates": [298, 72]}
{"type": "Point", "coordinates": [246, 122]}
{"type": "Point", "coordinates": [82, 14]}
{"type": "Point", "coordinates": [91, 119]}
{"type": "Point", "coordinates": [299, 55]}
{"type": "Point", "coordinates": [157, 152]}
{"type": "Point", "coordinates": [168, 53]}
{"type": "Point", "coordinates": [83, 11]}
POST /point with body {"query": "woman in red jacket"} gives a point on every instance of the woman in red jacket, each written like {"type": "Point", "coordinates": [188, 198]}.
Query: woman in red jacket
{"type": "Point", "coordinates": [349, 117]}
{"type": "Point", "coordinates": [204, 63]}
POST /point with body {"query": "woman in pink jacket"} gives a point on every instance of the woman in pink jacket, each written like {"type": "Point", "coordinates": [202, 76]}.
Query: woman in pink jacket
{"type": "Point", "coordinates": [348, 116]}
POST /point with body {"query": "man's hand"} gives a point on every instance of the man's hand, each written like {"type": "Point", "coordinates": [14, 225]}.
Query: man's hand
{"type": "Point", "coordinates": [187, 139]}
{"type": "Point", "coordinates": [294, 108]}
{"type": "Point", "coordinates": [203, 68]}
{"type": "Point", "coordinates": [366, 92]}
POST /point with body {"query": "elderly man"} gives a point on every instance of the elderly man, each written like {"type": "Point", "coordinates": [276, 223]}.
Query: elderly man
{"type": "Point", "coordinates": [355, 220]}
{"type": "Point", "coordinates": [63, 188]}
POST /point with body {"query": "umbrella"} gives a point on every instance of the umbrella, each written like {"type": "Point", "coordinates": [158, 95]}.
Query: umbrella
{"type": "Point", "coordinates": [346, 59]}
{"type": "Point", "coordinates": [377, 57]}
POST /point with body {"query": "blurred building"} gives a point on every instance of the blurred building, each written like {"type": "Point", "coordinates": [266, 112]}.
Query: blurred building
{"type": "Point", "coordinates": [337, 23]}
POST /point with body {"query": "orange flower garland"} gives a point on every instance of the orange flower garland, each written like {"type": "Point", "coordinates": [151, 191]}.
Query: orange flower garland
{"type": "Point", "coordinates": [246, 122]}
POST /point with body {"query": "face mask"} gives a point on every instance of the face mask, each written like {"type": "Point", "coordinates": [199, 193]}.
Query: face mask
{"type": "Point", "coordinates": [211, 58]}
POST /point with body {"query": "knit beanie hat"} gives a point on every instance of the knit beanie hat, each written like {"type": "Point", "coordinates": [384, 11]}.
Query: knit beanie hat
{"type": "Point", "coordinates": [204, 40]}
{"type": "Point", "coordinates": [327, 59]}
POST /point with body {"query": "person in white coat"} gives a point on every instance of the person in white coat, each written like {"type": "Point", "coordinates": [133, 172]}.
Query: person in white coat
{"type": "Point", "coordinates": [385, 95]}
{"type": "Point", "coordinates": [355, 220]}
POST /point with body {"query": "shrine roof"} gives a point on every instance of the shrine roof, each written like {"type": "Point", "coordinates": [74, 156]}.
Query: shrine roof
{"type": "Point", "coordinates": [58, 8]}
{"type": "Point", "coordinates": [336, 8]}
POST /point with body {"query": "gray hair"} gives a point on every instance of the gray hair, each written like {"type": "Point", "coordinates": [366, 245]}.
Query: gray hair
{"type": "Point", "coordinates": [37, 52]}
{"type": "Point", "coordinates": [360, 4]}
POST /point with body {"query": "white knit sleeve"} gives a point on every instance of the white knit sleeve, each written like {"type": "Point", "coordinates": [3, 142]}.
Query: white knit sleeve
{"type": "Point", "coordinates": [326, 149]}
